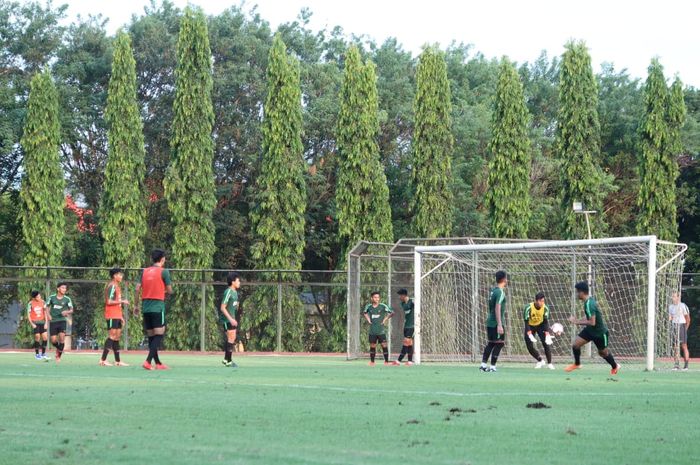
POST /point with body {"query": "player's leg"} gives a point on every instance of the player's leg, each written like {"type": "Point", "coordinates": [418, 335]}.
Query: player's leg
{"type": "Point", "coordinates": [581, 340]}
{"type": "Point", "coordinates": [408, 337]}
{"type": "Point", "coordinates": [37, 343]}
{"type": "Point", "coordinates": [148, 325]}
{"type": "Point", "coordinates": [44, 340]}
{"type": "Point", "coordinates": [372, 348]}
{"type": "Point", "coordinates": [230, 341]}
{"type": "Point", "coordinates": [684, 346]}
{"type": "Point", "coordinates": [542, 334]}
{"type": "Point", "coordinates": [116, 348]}
{"type": "Point", "coordinates": [491, 334]}
{"type": "Point", "coordinates": [108, 344]}
{"type": "Point", "coordinates": [602, 344]}
{"type": "Point", "coordinates": [495, 353]}
{"type": "Point", "coordinates": [404, 349]}
{"type": "Point", "coordinates": [533, 350]}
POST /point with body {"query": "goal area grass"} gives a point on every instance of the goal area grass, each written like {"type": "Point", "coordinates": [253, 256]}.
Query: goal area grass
{"type": "Point", "coordinates": [325, 410]}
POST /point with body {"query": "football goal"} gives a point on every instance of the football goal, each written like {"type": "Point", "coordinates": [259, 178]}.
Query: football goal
{"type": "Point", "coordinates": [632, 279]}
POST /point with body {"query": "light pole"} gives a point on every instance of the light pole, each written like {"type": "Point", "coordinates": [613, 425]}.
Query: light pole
{"type": "Point", "coordinates": [579, 210]}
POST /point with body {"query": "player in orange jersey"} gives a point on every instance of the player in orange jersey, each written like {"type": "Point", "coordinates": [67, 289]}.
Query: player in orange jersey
{"type": "Point", "coordinates": [114, 316]}
{"type": "Point", "coordinates": [36, 313]}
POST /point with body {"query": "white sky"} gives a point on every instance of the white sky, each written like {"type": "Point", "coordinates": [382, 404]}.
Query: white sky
{"type": "Point", "coordinates": [626, 32]}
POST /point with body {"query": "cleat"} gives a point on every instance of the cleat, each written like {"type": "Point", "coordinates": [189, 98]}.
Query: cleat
{"type": "Point", "coordinates": [550, 366]}
{"type": "Point", "coordinates": [226, 363]}
{"type": "Point", "coordinates": [371, 364]}
{"type": "Point", "coordinates": [615, 370]}
{"type": "Point", "coordinates": [675, 368]}
{"type": "Point", "coordinates": [162, 366]}
{"type": "Point", "coordinates": [105, 363]}
{"type": "Point", "coordinates": [45, 358]}
{"type": "Point", "coordinates": [394, 363]}
{"type": "Point", "coordinates": [492, 369]}
{"type": "Point", "coordinates": [147, 366]}
{"type": "Point", "coordinates": [121, 364]}
{"type": "Point", "coordinates": [684, 369]}
{"type": "Point", "coordinates": [483, 367]}
{"type": "Point", "coordinates": [539, 364]}
{"type": "Point", "coordinates": [572, 367]}
{"type": "Point", "coordinates": [409, 364]}
{"type": "Point", "coordinates": [37, 357]}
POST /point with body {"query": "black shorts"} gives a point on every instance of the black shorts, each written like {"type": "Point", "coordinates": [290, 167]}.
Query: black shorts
{"type": "Point", "coordinates": [601, 342]}
{"type": "Point", "coordinates": [538, 331]}
{"type": "Point", "coordinates": [153, 320]}
{"type": "Point", "coordinates": [374, 338]}
{"type": "Point", "coordinates": [57, 327]}
{"type": "Point", "coordinates": [493, 336]}
{"type": "Point", "coordinates": [40, 328]}
{"type": "Point", "coordinates": [228, 326]}
{"type": "Point", "coordinates": [408, 332]}
{"type": "Point", "coordinates": [114, 323]}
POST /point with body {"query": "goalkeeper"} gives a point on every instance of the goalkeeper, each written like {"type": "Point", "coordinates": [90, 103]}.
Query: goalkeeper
{"type": "Point", "coordinates": [535, 315]}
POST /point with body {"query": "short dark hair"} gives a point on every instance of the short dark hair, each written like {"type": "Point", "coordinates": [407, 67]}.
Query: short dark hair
{"type": "Point", "coordinates": [61, 283]}
{"type": "Point", "coordinates": [582, 286]}
{"type": "Point", "coordinates": [157, 255]}
{"type": "Point", "coordinates": [34, 294]}
{"type": "Point", "coordinates": [539, 296]}
{"type": "Point", "coordinates": [501, 276]}
{"type": "Point", "coordinates": [402, 292]}
{"type": "Point", "coordinates": [115, 270]}
{"type": "Point", "coordinates": [231, 277]}
{"type": "Point", "coordinates": [375, 293]}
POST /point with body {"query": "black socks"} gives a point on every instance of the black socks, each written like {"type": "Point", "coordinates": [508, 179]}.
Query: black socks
{"type": "Point", "coordinates": [404, 351]}
{"type": "Point", "coordinates": [577, 355]}
{"type": "Point", "coordinates": [494, 354]}
{"type": "Point", "coordinates": [36, 347]}
{"type": "Point", "coordinates": [229, 351]}
{"type": "Point", "coordinates": [487, 352]}
{"type": "Point", "coordinates": [611, 360]}
{"type": "Point", "coordinates": [410, 353]}
{"type": "Point", "coordinates": [105, 351]}
{"type": "Point", "coordinates": [372, 354]}
{"type": "Point", "coordinates": [153, 344]}
{"type": "Point", "coordinates": [385, 350]}
{"type": "Point", "coordinates": [115, 348]}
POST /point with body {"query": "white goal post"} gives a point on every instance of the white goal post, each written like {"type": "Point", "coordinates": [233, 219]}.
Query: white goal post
{"type": "Point", "coordinates": [631, 277]}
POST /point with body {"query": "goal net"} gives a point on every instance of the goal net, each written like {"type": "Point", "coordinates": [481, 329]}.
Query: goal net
{"type": "Point", "coordinates": [632, 279]}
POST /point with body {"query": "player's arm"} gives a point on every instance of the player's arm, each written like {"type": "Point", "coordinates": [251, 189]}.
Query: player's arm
{"type": "Point", "coordinates": [687, 318]}
{"type": "Point", "coordinates": [528, 328]}
{"type": "Point", "coordinates": [499, 323]}
{"type": "Point", "coordinates": [366, 315]}
{"type": "Point", "coordinates": [29, 315]}
{"type": "Point", "coordinates": [588, 321]}
{"type": "Point", "coordinates": [47, 313]}
{"type": "Point", "coordinates": [137, 295]}
{"type": "Point", "coordinates": [70, 308]}
{"type": "Point", "coordinates": [167, 281]}
{"type": "Point", "coordinates": [110, 297]}
{"type": "Point", "coordinates": [389, 316]}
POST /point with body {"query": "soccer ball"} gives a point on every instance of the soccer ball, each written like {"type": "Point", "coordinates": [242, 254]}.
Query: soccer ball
{"type": "Point", "coordinates": [557, 329]}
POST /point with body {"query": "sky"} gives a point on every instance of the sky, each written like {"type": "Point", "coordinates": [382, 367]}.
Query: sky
{"type": "Point", "coordinates": [625, 32]}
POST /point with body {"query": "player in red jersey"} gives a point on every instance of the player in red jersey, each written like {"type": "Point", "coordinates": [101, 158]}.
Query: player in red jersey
{"type": "Point", "coordinates": [36, 312]}
{"type": "Point", "coordinates": [114, 317]}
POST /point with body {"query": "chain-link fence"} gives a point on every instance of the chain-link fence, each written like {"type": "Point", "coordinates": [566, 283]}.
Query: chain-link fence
{"type": "Point", "coordinates": [280, 310]}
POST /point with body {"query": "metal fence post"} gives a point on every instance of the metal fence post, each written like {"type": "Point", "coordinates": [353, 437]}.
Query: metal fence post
{"type": "Point", "coordinates": [202, 313]}
{"type": "Point", "coordinates": [279, 312]}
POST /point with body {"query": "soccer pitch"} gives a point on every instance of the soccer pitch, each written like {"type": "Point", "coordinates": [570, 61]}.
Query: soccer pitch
{"type": "Point", "coordinates": [325, 410]}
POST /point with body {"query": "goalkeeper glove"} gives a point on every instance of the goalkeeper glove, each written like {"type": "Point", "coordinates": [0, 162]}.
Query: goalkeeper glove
{"type": "Point", "coordinates": [531, 337]}
{"type": "Point", "coordinates": [548, 339]}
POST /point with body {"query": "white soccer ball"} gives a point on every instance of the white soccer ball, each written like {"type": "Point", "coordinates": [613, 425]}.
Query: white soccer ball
{"type": "Point", "coordinates": [558, 329]}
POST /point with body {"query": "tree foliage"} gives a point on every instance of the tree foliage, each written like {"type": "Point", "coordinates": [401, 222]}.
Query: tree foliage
{"type": "Point", "coordinates": [432, 147]}
{"type": "Point", "coordinates": [189, 182]}
{"type": "Point", "coordinates": [362, 195]}
{"type": "Point", "coordinates": [508, 196]}
{"type": "Point", "coordinates": [578, 142]}
{"type": "Point", "coordinates": [278, 217]}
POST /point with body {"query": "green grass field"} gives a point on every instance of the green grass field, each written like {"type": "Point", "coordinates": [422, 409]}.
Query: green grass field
{"type": "Point", "coordinates": [324, 410]}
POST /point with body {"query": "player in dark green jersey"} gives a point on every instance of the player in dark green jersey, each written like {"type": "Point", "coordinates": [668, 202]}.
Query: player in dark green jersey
{"type": "Point", "coordinates": [408, 326]}
{"type": "Point", "coordinates": [377, 315]}
{"type": "Point", "coordinates": [60, 307]}
{"type": "Point", "coordinates": [227, 315]}
{"type": "Point", "coordinates": [594, 330]}
{"type": "Point", "coordinates": [495, 334]}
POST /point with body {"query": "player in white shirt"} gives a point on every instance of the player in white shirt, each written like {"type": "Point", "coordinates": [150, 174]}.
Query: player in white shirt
{"type": "Point", "coordinates": [679, 315]}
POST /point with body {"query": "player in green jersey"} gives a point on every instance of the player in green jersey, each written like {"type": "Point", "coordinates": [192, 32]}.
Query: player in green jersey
{"type": "Point", "coordinates": [594, 330]}
{"type": "Point", "coordinates": [227, 315]}
{"type": "Point", "coordinates": [495, 334]}
{"type": "Point", "coordinates": [377, 315]}
{"type": "Point", "coordinates": [60, 307]}
{"type": "Point", "coordinates": [408, 326]}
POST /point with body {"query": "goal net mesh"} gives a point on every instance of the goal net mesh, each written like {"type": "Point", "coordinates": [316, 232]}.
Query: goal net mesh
{"type": "Point", "coordinates": [455, 286]}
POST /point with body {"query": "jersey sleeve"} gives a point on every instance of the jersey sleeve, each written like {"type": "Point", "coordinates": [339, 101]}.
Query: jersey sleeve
{"type": "Point", "coordinates": [388, 309]}
{"type": "Point", "coordinates": [70, 302]}
{"type": "Point", "coordinates": [546, 312]}
{"type": "Point", "coordinates": [685, 310]}
{"type": "Point", "coordinates": [366, 310]}
{"type": "Point", "coordinates": [590, 307]}
{"type": "Point", "coordinates": [526, 313]}
{"type": "Point", "coordinates": [500, 296]}
{"type": "Point", "coordinates": [227, 295]}
{"type": "Point", "coordinates": [29, 308]}
{"type": "Point", "coordinates": [111, 292]}
{"type": "Point", "coordinates": [165, 274]}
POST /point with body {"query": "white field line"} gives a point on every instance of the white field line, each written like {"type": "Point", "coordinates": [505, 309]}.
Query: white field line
{"type": "Point", "coordinates": [367, 390]}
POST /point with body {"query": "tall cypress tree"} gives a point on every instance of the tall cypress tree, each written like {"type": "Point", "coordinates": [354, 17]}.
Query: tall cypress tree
{"type": "Point", "coordinates": [189, 181]}
{"type": "Point", "coordinates": [42, 191]}
{"type": "Point", "coordinates": [432, 148]}
{"type": "Point", "coordinates": [508, 196]}
{"type": "Point", "coordinates": [277, 218]}
{"type": "Point", "coordinates": [578, 142]}
{"type": "Point", "coordinates": [660, 145]}
{"type": "Point", "coordinates": [362, 194]}
{"type": "Point", "coordinates": [123, 210]}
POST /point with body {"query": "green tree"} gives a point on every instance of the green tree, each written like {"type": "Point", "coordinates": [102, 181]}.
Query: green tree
{"type": "Point", "coordinates": [362, 194]}
{"type": "Point", "coordinates": [189, 181]}
{"type": "Point", "coordinates": [578, 142]}
{"type": "Point", "coordinates": [278, 218]}
{"type": "Point", "coordinates": [432, 148]}
{"type": "Point", "coordinates": [123, 210]}
{"type": "Point", "coordinates": [660, 146]}
{"type": "Point", "coordinates": [42, 191]}
{"type": "Point", "coordinates": [508, 197]}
